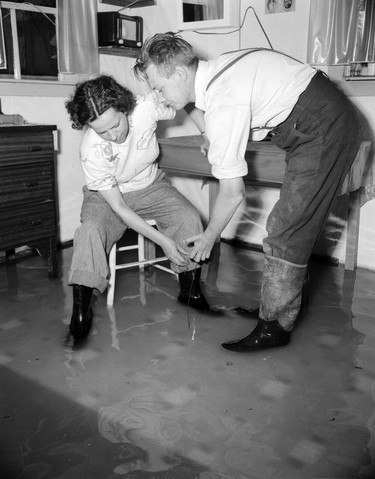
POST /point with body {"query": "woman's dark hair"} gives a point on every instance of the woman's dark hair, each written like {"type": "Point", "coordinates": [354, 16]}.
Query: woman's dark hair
{"type": "Point", "coordinates": [166, 51]}
{"type": "Point", "coordinates": [93, 97]}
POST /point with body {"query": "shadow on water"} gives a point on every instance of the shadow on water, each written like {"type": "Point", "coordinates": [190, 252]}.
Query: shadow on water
{"type": "Point", "coordinates": [45, 435]}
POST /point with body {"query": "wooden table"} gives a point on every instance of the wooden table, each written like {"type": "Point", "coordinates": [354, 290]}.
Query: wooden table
{"type": "Point", "coordinates": [266, 167]}
{"type": "Point", "coordinates": [182, 156]}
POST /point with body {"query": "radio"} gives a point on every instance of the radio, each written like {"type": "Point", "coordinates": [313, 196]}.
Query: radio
{"type": "Point", "coordinates": [116, 29]}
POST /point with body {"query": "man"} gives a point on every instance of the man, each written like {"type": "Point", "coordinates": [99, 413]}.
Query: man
{"type": "Point", "coordinates": [124, 187]}
{"type": "Point", "coordinates": [261, 92]}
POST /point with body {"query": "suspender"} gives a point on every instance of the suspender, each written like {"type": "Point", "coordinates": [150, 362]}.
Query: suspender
{"type": "Point", "coordinates": [239, 58]}
{"type": "Point", "coordinates": [230, 64]}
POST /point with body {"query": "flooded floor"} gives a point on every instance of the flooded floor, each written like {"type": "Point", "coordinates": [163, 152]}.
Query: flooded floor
{"type": "Point", "coordinates": [153, 395]}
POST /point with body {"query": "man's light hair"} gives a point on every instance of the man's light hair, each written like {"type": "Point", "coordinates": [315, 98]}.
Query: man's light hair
{"type": "Point", "coordinates": [166, 51]}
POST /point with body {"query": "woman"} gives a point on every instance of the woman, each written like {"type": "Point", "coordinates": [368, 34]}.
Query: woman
{"type": "Point", "coordinates": [124, 187]}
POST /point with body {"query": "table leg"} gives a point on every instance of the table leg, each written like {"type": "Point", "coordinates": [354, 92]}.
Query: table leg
{"type": "Point", "coordinates": [352, 231]}
{"type": "Point", "coordinates": [213, 191]}
{"type": "Point", "coordinates": [52, 258]}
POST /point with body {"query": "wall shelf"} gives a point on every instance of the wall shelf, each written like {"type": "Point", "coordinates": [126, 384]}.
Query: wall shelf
{"type": "Point", "coordinates": [120, 51]}
{"type": "Point", "coordinates": [360, 78]}
{"type": "Point", "coordinates": [129, 3]}
{"type": "Point", "coordinates": [355, 71]}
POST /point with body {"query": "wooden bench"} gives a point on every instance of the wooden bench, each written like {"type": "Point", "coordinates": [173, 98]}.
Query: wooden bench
{"type": "Point", "coordinates": [266, 167]}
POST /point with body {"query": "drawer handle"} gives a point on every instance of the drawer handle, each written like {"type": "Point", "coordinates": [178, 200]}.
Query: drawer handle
{"type": "Point", "coordinates": [35, 148]}
{"type": "Point", "coordinates": [32, 184]}
{"type": "Point", "coordinates": [37, 222]}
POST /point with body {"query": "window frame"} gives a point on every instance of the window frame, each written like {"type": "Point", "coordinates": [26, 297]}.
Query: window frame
{"type": "Point", "coordinates": [13, 7]}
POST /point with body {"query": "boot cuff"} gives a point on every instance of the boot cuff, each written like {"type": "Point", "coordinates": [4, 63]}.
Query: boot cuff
{"type": "Point", "coordinates": [284, 261]}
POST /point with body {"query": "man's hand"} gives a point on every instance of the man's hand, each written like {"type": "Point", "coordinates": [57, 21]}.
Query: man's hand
{"type": "Point", "coordinates": [205, 146]}
{"type": "Point", "coordinates": [202, 247]}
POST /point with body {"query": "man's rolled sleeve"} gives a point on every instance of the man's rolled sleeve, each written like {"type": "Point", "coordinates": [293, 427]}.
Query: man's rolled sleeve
{"type": "Point", "coordinates": [228, 132]}
{"type": "Point", "coordinates": [226, 173]}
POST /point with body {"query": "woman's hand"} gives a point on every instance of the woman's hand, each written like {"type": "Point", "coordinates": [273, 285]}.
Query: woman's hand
{"type": "Point", "coordinates": [175, 252]}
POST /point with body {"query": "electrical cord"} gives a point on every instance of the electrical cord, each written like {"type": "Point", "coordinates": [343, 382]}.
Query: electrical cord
{"type": "Point", "coordinates": [130, 5]}
{"type": "Point", "coordinates": [239, 28]}
{"type": "Point", "coordinates": [188, 302]}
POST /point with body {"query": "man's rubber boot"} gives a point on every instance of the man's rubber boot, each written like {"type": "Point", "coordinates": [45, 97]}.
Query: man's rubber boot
{"type": "Point", "coordinates": [280, 304]}
{"type": "Point", "coordinates": [253, 313]}
{"type": "Point", "coordinates": [267, 334]}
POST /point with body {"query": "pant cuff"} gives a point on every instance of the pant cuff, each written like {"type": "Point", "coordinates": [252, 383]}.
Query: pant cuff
{"type": "Point", "coordinates": [90, 280]}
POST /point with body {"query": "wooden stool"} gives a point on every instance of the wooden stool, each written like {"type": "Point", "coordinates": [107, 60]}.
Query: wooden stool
{"type": "Point", "coordinates": [146, 256]}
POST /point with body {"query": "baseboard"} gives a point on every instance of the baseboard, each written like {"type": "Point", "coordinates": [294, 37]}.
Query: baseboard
{"type": "Point", "coordinates": [25, 251]}
{"type": "Point", "coordinates": [65, 244]}
{"type": "Point", "coordinates": [319, 258]}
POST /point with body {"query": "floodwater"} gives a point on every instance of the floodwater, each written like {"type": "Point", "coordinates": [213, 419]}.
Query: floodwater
{"type": "Point", "coordinates": [152, 394]}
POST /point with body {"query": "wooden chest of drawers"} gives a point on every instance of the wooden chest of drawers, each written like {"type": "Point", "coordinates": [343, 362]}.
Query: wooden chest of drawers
{"type": "Point", "coordinates": [28, 191]}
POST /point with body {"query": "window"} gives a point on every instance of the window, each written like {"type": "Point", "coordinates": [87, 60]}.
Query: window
{"type": "Point", "coordinates": [203, 14]}
{"type": "Point", "coordinates": [29, 32]}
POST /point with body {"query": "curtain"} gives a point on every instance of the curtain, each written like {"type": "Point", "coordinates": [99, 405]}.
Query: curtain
{"type": "Point", "coordinates": [215, 9]}
{"type": "Point", "coordinates": [77, 40]}
{"type": "Point", "coordinates": [341, 31]}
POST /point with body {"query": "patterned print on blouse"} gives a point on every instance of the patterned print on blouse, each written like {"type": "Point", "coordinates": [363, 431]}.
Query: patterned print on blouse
{"type": "Point", "coordinates": [142, 144]}
{"type": "Point", "coordinates": [105, 150]}
{"type": "Point", "coordinates": [106, 181]}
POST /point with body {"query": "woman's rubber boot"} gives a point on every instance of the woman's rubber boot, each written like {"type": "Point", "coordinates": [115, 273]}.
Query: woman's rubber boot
{"type": "Point", "coordinates": [80, 323]}
{"type": "Point", "coordinates": [280, 303]}
{"type": "Point", "coordinates": [190, 290]}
